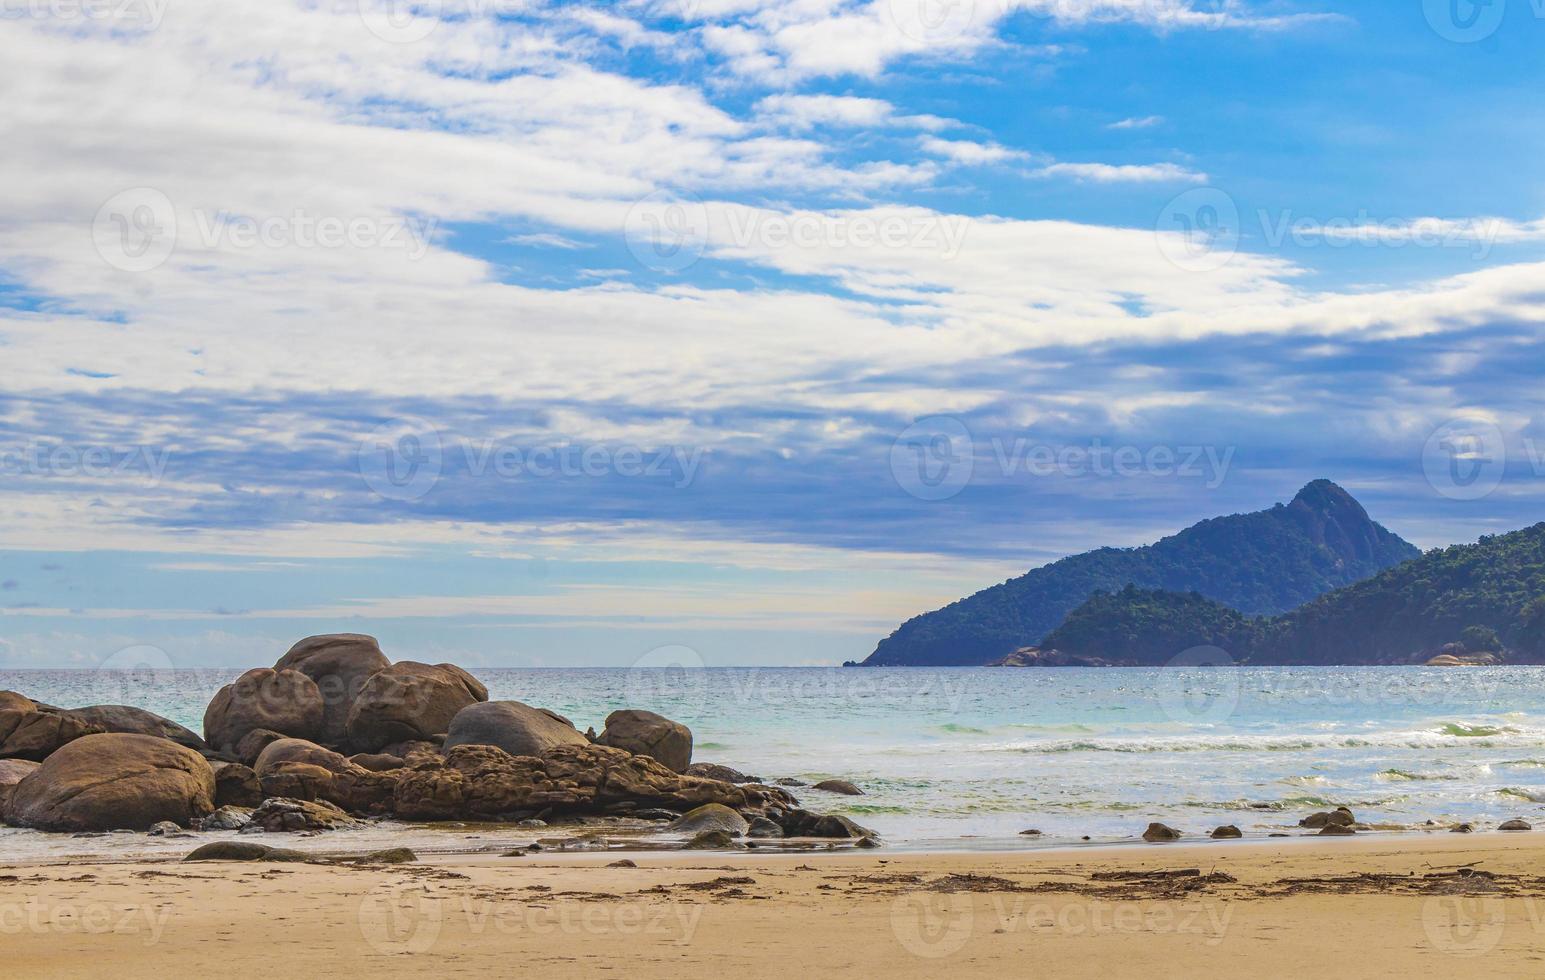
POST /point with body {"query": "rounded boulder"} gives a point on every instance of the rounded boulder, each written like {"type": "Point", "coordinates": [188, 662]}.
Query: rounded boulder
{"type": "Point", "coordinates": [283, 701]}
{"type": "Point", "coordinates": [517, 728]}
{"type": "Point", "coordinates": [339, 664]}
{"type": "Point", "coordinates": [646, 733]}
{"type": "Point", "coordinates": [115, 781]}
{"type": "Point", "coordinates": [410, 701]}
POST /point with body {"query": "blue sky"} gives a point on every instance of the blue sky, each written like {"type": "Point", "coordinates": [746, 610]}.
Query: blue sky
{"type": "Point", "coordinates": [542, 333]}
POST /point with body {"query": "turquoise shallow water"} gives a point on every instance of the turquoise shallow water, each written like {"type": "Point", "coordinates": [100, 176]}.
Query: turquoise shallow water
{"type": "Point", "coordinates": [970, 757]}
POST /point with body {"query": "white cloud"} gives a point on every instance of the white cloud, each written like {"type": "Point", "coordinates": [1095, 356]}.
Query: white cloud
{"type": "Point", "coordinates": [971, 153]}
{"type": "Point", "coordinates": [1137, 122]}
{"type": "Point", "coordinates": [1105, 173]}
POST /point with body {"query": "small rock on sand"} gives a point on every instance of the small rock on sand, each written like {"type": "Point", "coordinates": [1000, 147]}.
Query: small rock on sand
{"type": "Point", "coordinates": [1515, 825]}
{"type": "Point", "coordinates": [1158, 832]}
{"type": "Point", "coordinates": [1226, 832]}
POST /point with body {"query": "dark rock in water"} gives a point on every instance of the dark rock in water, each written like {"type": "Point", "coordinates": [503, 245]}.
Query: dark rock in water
{"type": "Point", "coordinates": [711, 840]}
{"type": "Point", "coordinates": [1461, 828]}
{"type": "Point", "coordinates": [33, 735]}
{"type": "Point", "coordinates": [867, 843]}
{"type": "Point", "coordinates": [236, 785]}
{"type": "Point", "coordinates": [284, 701]}
{"type": "Point", "coordinates": [803, 823]}
{"type": "Point", "coordinates": [299, 750]}
{"type": "Point", "coordinates": [1514, 825]}
{"type": "Point", "coordinates": [725, 774]}
{"type": "Point", "coordinates": [841, 786]}
{"type": "Point", "coordinates": [128, 720]}
{"type": "Point", "coordinates": [115, 782]}
{"type": "Point", "coordinates": [392, 855]}
{"type": "Point", "coordinates": [233, 850]}
{"type": "Point", "coordinates": [280, 815]}
{"type": "Point", "coordinates": [646, 733]}
{"type": "Point", "coordinates": [1158, 832]}
{"type": "Point", "coordinates": [164, 829]}
{"type": "Point", "coordinates": [251, 746]}
{"type": "Point", "coordinates": [790, 782]}
{"type": "Point", "coordinates": [711, 816]}
{"type": "Point", "coordinates": [377, 762]}
{"type": "Point", "coordinates": [1227, 832]}
{"type": "Point", "coordinates": [226, 818]}
{"type": "Point", "coordinates": [517, 728]}
{"type": "Point", "coordinates": [1030, 833]}
{"type": "Point", "coordinates": [339, 664]}
{"type": "Point", "coordinates": [1340, 816]}
{"type": "Point", "coordinates": [410, 701]}
{"type": "Point", "coordinates": [763, 828]}
{"type": "Point", "coordinates": [1337, 830]}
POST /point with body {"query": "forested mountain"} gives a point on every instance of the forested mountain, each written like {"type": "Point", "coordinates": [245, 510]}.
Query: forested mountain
{"type": "Point", "coordinates": [1260, 563]}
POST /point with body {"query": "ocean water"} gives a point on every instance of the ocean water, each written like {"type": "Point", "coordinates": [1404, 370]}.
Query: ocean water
{"type": "Point", "coordinates": [968, 758]}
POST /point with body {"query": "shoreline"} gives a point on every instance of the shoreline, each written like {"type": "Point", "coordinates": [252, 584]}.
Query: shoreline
{"type": "Point", "coordinates": [1367, 906]}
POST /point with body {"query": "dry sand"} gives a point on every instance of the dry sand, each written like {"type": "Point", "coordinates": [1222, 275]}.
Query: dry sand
{"type": "Point", "coordinates": [1439, 905]}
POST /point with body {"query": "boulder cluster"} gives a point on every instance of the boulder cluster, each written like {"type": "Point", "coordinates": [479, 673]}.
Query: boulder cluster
{"type": "Point", "coordinates": [335, 733]}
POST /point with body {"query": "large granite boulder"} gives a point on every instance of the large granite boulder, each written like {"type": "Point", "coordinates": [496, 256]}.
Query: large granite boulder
{"type": "Point", "coordinates": [339, 664]}
{"type": "Point", "coordinates": [283, 701]}
{"type": "Point", "coordinates": [128, 720]}
{"type": "Point", "coordinates": [299, 750]}
{"type": "Point", "coordinates": [646, 733]}
{"type": "Point", "coordinates": [31, 733]}
{"type": "Point", "coordinates": [12, 771]}
{"type": "Point", "coordinates": [517, 728]}
{"type": "Point", "coordinates": [410, 701]}
{"type": "Point", "coordinates": [115, 782]}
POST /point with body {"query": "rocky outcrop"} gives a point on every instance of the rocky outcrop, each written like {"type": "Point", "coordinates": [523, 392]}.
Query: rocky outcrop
{"type": "Point", "coordinates": [253, 743]}
{"type": "Point", "coordinates": [646, 733]}
{"type": "Point", "coordinates": [482, 782]}
{"type": "Point", "coordinates": [127, 720]}
{"type": "Point", "coordinates": [517, 728]}
{"type": "Point", "coordinates": [1339, 817]}
{"type": "Point", "coordinates": [31, 733]}
{"type": "Point", "coordinates": [803, 823]}
{"type": "Point", "coordinates": [226, 818]}
{"type": "Point", "coordinates": [410, 701]}
{"type": "Point", "coordinates": [839, 786]}
{"type": "Point", "coordinates": [339, 664]}
{"type": "Point", "coordinates": [115, 782]}
{"type": "Point", "coordinates": [283, 701]}
{"type": "Point", "coordinates": [726, 774]}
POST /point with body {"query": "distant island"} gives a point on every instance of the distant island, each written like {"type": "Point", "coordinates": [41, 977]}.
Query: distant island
{"type": "Point", "coordinates": [1482, 603]}
{"type": "Point", "coordinates": [1245, 565]}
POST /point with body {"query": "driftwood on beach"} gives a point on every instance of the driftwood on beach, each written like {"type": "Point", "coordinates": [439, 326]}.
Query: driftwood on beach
{"type": "Point", "coordinates": [335, 733]}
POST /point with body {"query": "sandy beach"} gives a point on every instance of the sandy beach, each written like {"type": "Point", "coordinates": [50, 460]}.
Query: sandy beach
{"type": "Point", "coordinates": [1448, 905]}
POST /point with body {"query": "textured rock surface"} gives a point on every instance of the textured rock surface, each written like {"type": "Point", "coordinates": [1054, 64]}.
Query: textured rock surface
{"type": "Point", "coordinates": [409, 701]}
{"type": "Point", "coordinates": [299, 750]}
{"type": "Point", "coordinates": [129, 720]}
{"type": "Point", "coordinates": [339, 664]}
{"type": "Point", "coordinates": [236, 785]}
{"type": "Point", "coordinates": [517, 728]}
{"type": "Point", "coordinates": [29, 733]}
{"type": "Point", "coordinates": [646, 733]}
{"type": "Point", "coordinates": [280, 815]}
{"type": "Point", "coordinates": [115, 782]}
{"type": "Point", "coordinates": [283, 701]}
{"type": "Point", "coordinates": [711, 816]}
